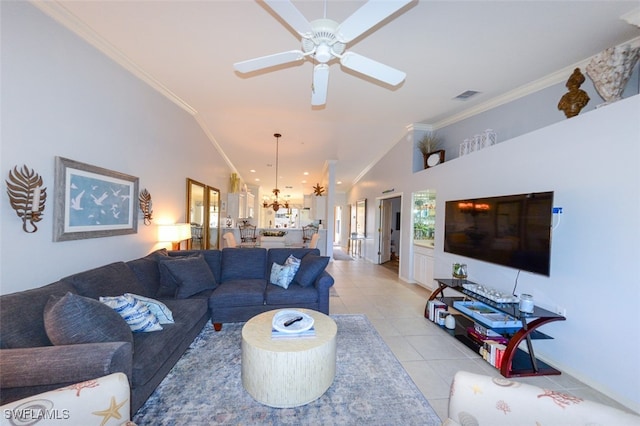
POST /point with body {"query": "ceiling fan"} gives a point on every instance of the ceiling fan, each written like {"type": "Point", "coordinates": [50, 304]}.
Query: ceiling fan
{"type": "Point", "coordinates": [324, 39]}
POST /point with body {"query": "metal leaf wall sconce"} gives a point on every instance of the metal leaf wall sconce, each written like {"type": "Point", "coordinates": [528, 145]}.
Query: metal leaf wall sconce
{"type": "Point", "coordinates": [146, 206]}
{"type": "Point", "coordinates": [26, 196]}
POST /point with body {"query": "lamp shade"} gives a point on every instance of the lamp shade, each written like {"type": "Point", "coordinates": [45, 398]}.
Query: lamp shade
{"type": "Point", "coordinates": [174, 233]}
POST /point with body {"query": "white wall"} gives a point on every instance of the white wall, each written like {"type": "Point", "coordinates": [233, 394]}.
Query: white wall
{"type": "Point", "coordinates": [591, 164]}
{"type": "Point", "coordinates": [61, 97]}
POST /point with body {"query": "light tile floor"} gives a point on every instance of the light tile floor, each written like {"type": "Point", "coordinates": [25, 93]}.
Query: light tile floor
{"type": "Point", "coordinates": [429, 355]}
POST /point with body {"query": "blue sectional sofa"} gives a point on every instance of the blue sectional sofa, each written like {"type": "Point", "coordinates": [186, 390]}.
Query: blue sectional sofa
{"type": "Point", "coordinates": [229, 285]}
{"type": "Point", "coordinates": [244, 288]}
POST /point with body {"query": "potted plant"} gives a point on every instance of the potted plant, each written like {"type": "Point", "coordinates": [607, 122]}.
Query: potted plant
{"type": "Point", "coordinates": [429, 146]}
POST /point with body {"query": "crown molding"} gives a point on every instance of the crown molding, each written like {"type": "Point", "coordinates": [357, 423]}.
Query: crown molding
{"type": "Point", "coordinates": [215, 143]}
{"type": "Point", "coordinates": [419, 127]}
{"type": "Point", "coordinates": [528, 89]}
{"type": "Point", "coordinates": [67, 19]}
{"type": "Point", "coordinates": [632, 17]}
{"type": "Point", "coordinates": [557, 77]}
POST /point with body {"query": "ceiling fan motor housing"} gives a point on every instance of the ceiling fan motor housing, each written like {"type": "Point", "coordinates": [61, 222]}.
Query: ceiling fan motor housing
{"type": "Point", "coordinates": [323, 41]}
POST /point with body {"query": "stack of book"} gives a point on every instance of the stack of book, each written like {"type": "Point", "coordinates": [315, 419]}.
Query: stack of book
{"type": "Point", "coordinates": [437, 311]}
{"type": "Point", "coordinates": [493, 352]}
{"type": "Point", "coordinates": [275, 334]}
{"type": "Point", "coordinates": [492, 344]}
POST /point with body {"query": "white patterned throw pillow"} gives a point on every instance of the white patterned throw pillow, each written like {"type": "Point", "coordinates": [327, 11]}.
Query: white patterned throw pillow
{"type": "Point", "coordinates": [282, 275]}
{"type": "Point", "coordinates": [157, 308]}
{"type": "Point", "coordinates": [292, 260]}
{"type": "Point", "coordinates": [134, 312]}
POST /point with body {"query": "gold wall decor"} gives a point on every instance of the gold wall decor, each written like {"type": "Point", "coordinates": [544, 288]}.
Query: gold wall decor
{"type": "Point", "coordinates": [146, 206]}
{"type": "Point", "coordinates": [234, 183]}
{"type": "Point", "coordinates": [27, 196]}
{"type": "Point", "coordinates": [575, 99]}
{"type": "Point", "coordinates": [318, 190]}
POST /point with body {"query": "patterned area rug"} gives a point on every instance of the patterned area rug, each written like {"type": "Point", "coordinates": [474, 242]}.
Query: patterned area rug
{"type": "Point", "coordinates": [370, 387]}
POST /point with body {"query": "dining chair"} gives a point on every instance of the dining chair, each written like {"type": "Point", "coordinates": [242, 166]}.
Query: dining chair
{"type": "Point", "coordinates": [196, 235]}
{"type": "Point", "coordinates": [248, 233]}
{"type": "Point", "coordinates": [314, 240]}
{"type": "Point", "coordinates": [307, 232]}
{"type": "Point", "coordinates": [230, 239]}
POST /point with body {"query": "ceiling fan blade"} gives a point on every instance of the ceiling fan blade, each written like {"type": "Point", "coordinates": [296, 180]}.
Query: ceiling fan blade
{"type": "Point", "coordinates": [268, 61]}
{"type": "Point", "coordinates": [372, 68]}
{"type": "Point", "coordinates": [320, 84]}
{"type": "Point", "coordinates": [291, 15]}
{"type": "Point", "coordinates": [369, 15]}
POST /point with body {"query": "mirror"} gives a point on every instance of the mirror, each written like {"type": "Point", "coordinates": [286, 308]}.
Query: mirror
{"type": "Point", "coordinates": [361, 218]}
{"type": "Point", "coordinates": [214, 218]}
{"type": "Point", "coordinates": [203, 213]}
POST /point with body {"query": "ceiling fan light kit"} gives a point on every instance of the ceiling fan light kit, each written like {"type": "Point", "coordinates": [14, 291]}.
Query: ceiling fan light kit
{"type": "Point", "coordinates": [324, 40]}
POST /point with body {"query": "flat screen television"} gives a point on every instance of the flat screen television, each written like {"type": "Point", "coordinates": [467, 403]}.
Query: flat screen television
{"type": "Point", "coordinates": [511, 230]}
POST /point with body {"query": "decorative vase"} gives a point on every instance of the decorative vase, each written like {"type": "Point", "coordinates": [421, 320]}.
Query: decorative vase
{"type": "Point", "coordinates": [464, 147]}
{"type": "Point", "coordinates": [450, 322]}
{"type": "Point", "coordinates": [610, 71]}
{"type": "Point", "coordinates": [487, 138]}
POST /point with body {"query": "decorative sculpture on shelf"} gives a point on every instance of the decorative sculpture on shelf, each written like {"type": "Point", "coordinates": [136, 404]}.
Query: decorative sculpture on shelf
{"type": "Point", "coordinates": [318, 190]}
{"type": "Point", "coordinates": [146, 206]}
{"type": "Point", "coordinates": [27, 197]}
{"type": "Point", "coordinates": [610, 71]}
{"type": "Point", "coordinates": [575, 99]}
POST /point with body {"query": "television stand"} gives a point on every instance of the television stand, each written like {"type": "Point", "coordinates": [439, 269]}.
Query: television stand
{"type": "Point", "coordinates": [515, 361]}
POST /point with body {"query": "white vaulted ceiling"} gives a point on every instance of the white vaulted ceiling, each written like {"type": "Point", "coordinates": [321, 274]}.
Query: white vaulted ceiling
{"type": "Point", "coordinates": [187, 50]}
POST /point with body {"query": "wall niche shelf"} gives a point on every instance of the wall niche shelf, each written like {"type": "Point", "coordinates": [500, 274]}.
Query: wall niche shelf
{"type": "Point", "coordinates": [515, 362]}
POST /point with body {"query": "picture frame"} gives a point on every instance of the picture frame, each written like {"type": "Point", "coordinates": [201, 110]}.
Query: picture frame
{"type": "Point", "coordinates": [93, 202]}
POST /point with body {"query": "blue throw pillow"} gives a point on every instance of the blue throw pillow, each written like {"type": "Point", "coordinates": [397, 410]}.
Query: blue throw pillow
{"type": "Point", "coordinates": [73, 319]}
{"type": "Point", "coordinates": [311, 266]}
{"type": "Point", "coordinates": [189, 275]}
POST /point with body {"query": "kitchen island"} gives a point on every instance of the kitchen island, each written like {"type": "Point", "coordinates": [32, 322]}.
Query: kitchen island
{"type": "Point", "coordinates": [292, 238]}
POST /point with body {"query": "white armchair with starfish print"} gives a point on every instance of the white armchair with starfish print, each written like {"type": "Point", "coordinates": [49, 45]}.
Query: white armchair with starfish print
{"type": "Point", "coordinates": [104, 401]}
{"type": "Point", "coordinates": [478, 400]}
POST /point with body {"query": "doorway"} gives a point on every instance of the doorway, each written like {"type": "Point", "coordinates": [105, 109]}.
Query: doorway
{"type": "Point", "coordinates": [389, 232]}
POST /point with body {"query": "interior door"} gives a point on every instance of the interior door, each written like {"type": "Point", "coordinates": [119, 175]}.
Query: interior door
{"type": "Point", "coordinates": [384, 251]}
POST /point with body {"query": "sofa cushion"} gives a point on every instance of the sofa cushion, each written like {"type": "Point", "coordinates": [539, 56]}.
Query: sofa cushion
{"type": "Point", "coordinates": [212, 257]}
{"type": "Point", "coordinates": [135, 313]}
{"type": "Point", "coordinates": [187, 274]}
{"type": "Point", "coordinates": [249, 292]}
{"type": "Point", "coordinates": [294, 295]}
{"type": "Point", "coordinates": [113, 279]}
{"type": "Point", "coordinates": [157, 308]}
{"type": "Point", "coordinates": [73, 319]}
{"type": "Point", "coordinates": [245, 263]}
{"type": "Point", "coordinates": [153, 349]}
{"type": "Point", "coordinates": [147, 271]}
{"type": "Point", "coordinates": [21, 319]}
{"type": "Point", "coordinates": [311, 267]}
